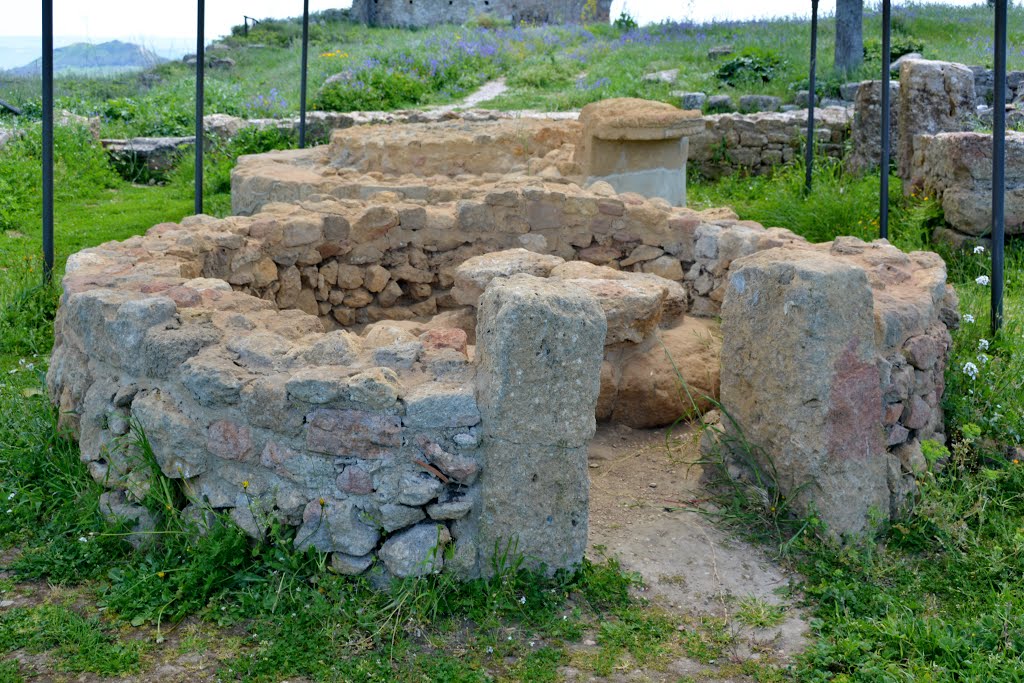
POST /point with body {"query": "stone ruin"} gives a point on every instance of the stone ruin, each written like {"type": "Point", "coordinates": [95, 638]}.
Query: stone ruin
{"type": "Point", "coordinates": [423, 13]}
{"type": "Point", "coordinates": [402, 342]}
{"type": "Point", "coordinates": [935, 117]}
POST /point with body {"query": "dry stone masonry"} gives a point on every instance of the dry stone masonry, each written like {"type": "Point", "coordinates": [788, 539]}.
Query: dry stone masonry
{"type": "Point", "coordinates": [403, 343]}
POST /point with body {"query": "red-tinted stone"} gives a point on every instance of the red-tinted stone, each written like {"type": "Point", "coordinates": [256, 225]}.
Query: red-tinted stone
{"type": "Point", "coordinates": [354, 433]}
{"type": "Point", "coordinates": [444, 338]}
{"type": "Point", "coordinates": [229, 440]}
{"type": "Point", "coordinates": [355, 480]}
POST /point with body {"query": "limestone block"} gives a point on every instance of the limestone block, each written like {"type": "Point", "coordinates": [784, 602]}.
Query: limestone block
{"type": "Point", "coordinates": [867, 125]}
{"type": "Point", "coordinates": [935, 97]}
{"type": "Point", "coordinates": [473, 276]}
{"type": "Point", "coordinates": [533, 333]}
{"type": "Point", "coordinates": [799, 350]}
{"type": "Point", "coordinates": [674, 374]}
{"type": "Point", "coordinates": [637, 146]}
{"type": "Point", "coordinates": [632, 308]}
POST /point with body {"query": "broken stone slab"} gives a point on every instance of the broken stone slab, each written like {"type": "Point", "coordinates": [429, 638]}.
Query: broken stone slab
{"type": "Point", "coordinates": [631, 308]}
{"type": "Point", "coordinates": [637, 146]}
{"type": "Point", "coordinates": [774, 383]}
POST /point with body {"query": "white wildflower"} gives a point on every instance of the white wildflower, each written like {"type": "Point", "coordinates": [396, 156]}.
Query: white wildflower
{"type": "Point", "coordinates": [983, 344]}
{"type": "Point", "coordinates": [968, 318]}
{"type": "Point", "coordinates": [982, 280]}
{"type": "Point", "coordinates": [971, 370]}
{"type": "Point", "coordinates": [982, 358]}
{"type": "Point", "coordinates": [11, 497]}
{"type": "Point", "coordinates": [83, 539]}
{"type": "Point", "coordinates": [979, 249]}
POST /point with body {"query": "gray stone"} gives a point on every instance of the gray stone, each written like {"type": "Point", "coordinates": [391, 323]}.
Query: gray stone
{"type": "Point", "coordinates": [692, 100]}
{"type": "Point", "coordinates": [866, 151]}
{"type": "Point", "coordinates": [720, 51]}
{"type": "Point", "coordinates": [393, 517]}
{"type": "Point", "coordinates": [335, 526]}
{"type": "Point", "coordinates": [437, 405]}
{"type": "Point", "coordinates": [776, 300]}
{"type": "Point", "coordinates": [720, 103]}
{"type": "Point", "coordinates": [666, 76]}
{"type": "Point", "coordinates": [417, 551]}
{"type": "Point", "coordinates": [455, 509]}
{"type": "Point", "coordinates": [848, 91]}
{"type": "Point", "coordinates": [752, 103]}
{"type": "Point", "coordinates": [398, 356]}
{"type": "Point", "coordinates": [116, 509]}
{"type": "Point", "coordinates": [178, 444]}
{"type": "Point", "coordinates": [350, 564]}
{"type": "Point", "coordinates": [535, 333]}
{"type": "Point", "coordinates": [418, 488]}
{"type": "Point", "coordinates": [934, 97]}
{"type": "Point", "coordinates": [158, 155]}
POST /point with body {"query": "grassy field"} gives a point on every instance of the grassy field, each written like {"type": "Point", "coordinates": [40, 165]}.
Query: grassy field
{"type": "Point", "coordinates": [935, 597]}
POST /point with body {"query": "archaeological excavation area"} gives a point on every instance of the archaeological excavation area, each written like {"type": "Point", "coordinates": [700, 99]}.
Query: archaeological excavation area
{"type": "Point", "coordinates": [403, 340]}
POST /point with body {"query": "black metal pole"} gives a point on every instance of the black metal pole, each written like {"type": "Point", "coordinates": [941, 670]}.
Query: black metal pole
{"type": "Point", "coordinates": [305, 64]}
{"type": "Point", "coordinates": [998, 166]}
{"type": "Point", "coordinates": [883, 195]}
{"type": "Point", "coordinates": [200, 69]}
{"type": "Point", "coordinates": [809, 152]}
{"type": "Point", "coordinates": [47, 141]}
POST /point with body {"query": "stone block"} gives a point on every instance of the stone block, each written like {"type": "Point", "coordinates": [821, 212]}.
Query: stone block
{"type": "Point", "coordinates": [535, 333]}
{"type": "Point", "coordinates": [775, 382]}
{"type": "Point", "coordinates": [637, 146]}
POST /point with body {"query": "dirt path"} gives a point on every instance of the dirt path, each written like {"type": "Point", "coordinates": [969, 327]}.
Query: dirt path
{"type": "Point", "coordinates": [642, 491]}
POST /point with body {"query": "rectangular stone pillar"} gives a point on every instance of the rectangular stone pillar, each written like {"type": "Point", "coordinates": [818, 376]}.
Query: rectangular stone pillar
{"type": "Point", "coordinates": [539, 350]}
{"type": "Point", "coordinates": [800, 381]}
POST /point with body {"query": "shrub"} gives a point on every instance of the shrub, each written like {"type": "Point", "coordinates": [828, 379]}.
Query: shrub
{"type": "Point", "coordinates": [750, 67]}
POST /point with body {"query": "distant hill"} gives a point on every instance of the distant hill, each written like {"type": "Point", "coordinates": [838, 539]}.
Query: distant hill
{"type": "Point", "coordinates": [89, 58]}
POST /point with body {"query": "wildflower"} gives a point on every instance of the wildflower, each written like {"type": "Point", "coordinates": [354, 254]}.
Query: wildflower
{"type": "Point", "coordinates": [1016, 461]}
{"type": "Point", "coordinates": [83, 539]}
{"type": "Point", "coordinates": [982, 280]}
{"type": "Point", "coordinates": [971, 370]}
{"type": "Point", "coordinates": [161, 574]}
{"type": "Point", "coordinates": [983, 344]}
{"type": "Point", "coordinates": [979, 249]}
{"type": "Point", "coordinates": [245, 484]}
{"type": "Point", "coordinates": [9, 510]}
{"type": "Point", "coordinates": [982, 358]}
{"type": "Point", "coordinates": [522, 600]}
{"type": "Point", "coordinates": [968, 318]}
{"type": "Point", "coordinates": [323, 502]}
{"type": "Point", "coordinates": [11, 497]}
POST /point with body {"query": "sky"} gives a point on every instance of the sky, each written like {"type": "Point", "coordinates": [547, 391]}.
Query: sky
{"type": "Point", "coordinates": [168, 28]}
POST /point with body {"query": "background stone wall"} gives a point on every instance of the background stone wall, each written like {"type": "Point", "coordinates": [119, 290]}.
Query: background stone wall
{"type": "Point", "coordinates": [421, 13]}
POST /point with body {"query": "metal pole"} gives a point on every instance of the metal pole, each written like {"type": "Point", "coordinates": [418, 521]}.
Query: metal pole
{"type": "Point", "coordinates": [200, 69]}
{"type": "Point", "coordinates": [305, 64]}
{"type": "Point", "coordinates": [47, 141]}
{"type": "Point", "coordinates": [998, 166]}
{"type": "Point", "coordinates": [809, 152]}
{"type": "Point", "coordinates": [883, 195]}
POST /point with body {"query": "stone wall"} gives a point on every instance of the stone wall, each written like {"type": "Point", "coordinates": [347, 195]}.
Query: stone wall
{"type": "Point", "coordinates": [760, 142]}
{"type": "Point", "coordinates": [361, 356]}
{"type": "Point", "coordinates": [421, 13]}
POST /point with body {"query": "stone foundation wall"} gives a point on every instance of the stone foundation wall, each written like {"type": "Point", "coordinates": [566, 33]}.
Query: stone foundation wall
{"type": "Point", "coordinates": [356, 360]}
{"type": "Point", "coordinates": [760, 142]}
